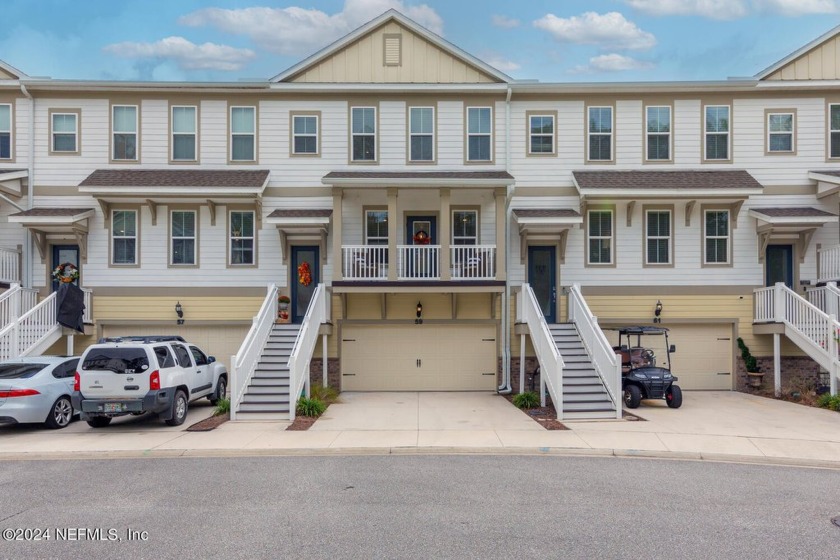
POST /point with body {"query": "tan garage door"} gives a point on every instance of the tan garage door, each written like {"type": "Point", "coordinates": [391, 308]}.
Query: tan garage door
{"type": "Point", "coordinates": [418, 358]}
{"type": "Point", "coordinates": [703, 359]}
{"type": "Point", "coordinates": [219, 341]}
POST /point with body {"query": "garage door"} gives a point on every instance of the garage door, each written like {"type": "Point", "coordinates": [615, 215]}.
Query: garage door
{"type": "Point", "coordinates": [219, 341]}
{"type": "Point", "coordinates": [703, 359]}
{"type": "Point", "coordinates": [418, 358]}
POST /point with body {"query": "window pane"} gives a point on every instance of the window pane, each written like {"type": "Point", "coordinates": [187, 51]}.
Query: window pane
{"type": "Point", "coordinates": [658, 147]}
{"type": "Point", "coordinates": [542, 144]}
{"type": "Point", "coordinates": [64, 123]}
{"type": "Point", "coordinates": [479, 120]}
{"type": "Point", "coordinates": [717, 119]}
{"type": "Point", "coordinates": [125, 119]}
{"type": "Point", "coordinates": [781, 143]}
{"type": "Point", "coordinates": [183, 224]}
{"type": "Point", "coordinates": [421, 120]}
{"type": "Point", "coordinates": [659, 119]}
{"type": "Point", "coordinates": [600, 147]}
{"type": "Point", "coordinates": [599, 251]}
{"type": "Point", "coordinates": [125, 223]}
{"type": "Point", "coordinates": [183, 119]}
{"type": "Point", "coordinates": [364, 120]}
{"type": "Point", "coordinates": [600, 119]}
{"type": "Point", "coordinates": [542, 125]}
{"type": "Point", "coordinates": [479, 148]}
{"type": "Point", "coordinates": [465, 224]}
{"type": "Point", "coordinates": [835, 144]}
{"type": "Point", "coordinates": [5, 118]}
{"type": "Point", "coordinates": [183, 251]}
{"type": "Point", "coordinates": [658, 251]}
{"type": "Point", "coordinates": [835, 117]}
{"type": "Point", "coordinates": [781, 123]}
{"type": "Point", "coordinates": [377, 223]}
{"type": "Point", "coordinates": [306, 145]}
{"type": "Point", "coordinates": [124, 251]}
{"type": "Point", "coordinates": [5, 145]}
{"type": "Point", "coordinates": [717, 146]}
{"type": "Point", "coordinates": [64, 142]}
{"type": "Point", "coordinates": [183, 147]}
{"type": "Point", "coordinates": [306, 125]}
{"type": "Point", "coordinates": [600, 224]}
{"type": "Point", "coordinates": [421, 148]}
{"type": "Point", "coordinates": [242, 120]}
{"type": "Point", "coordinates": [364, 148]}
{"type": "Point", "coordinates": [659, 224]}
{"type": "Point", "coordinates": [716, 250]}
{"type": "Point", "coordinates": [717, 223]}
{"type": "Point", "coordinates": [242, 224]}
{"type": "Point", "coordinates": [242, 251]}
{"type": "Point", "coordinates": [243, 147]}
{"type": "Point", "coordinates": [125, 146]}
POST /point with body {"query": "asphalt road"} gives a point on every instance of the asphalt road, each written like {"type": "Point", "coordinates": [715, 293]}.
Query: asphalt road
{"type": "Point", "coordinates": [415, 507]}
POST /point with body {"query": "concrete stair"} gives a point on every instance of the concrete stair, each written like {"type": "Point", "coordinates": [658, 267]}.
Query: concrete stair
{"type": "Point", "coordinates": [267, 395]}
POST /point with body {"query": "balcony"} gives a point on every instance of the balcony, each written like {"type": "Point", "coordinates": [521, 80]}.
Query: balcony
{"type": "Point", "coordinates": [828, 263]}
{"type": "Point", "coordinates": [9, 266]}
{"type": "Point", "coordinates": [418, 263]}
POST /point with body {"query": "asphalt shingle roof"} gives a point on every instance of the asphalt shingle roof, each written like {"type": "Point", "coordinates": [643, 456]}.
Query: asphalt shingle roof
{"type": "Point", "coordinates": [175, 178]}
{"type": "Point", "coordinates": [676, 180]}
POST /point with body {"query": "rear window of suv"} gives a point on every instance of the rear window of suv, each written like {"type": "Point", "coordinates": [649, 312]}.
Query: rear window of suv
{"type": "Point", "coordinates": [118, 360]}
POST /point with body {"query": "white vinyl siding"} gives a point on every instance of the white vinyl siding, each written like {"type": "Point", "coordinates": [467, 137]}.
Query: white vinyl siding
{"type": "Point", "coordinates": [601, 242]}
{"type": "Point", "coordinates": [780, 127]}
{"type": "Point", "coordinates": [183, 237]}
{"type": "Point", "coordinates": [658, 133]}
{"type": "Point", "coordinates": [243, 137]}
{"type": "Point", "coordinates": [65, 132]}
{"type": "Point", "coordinates": [363, 133]}
{"type": "Point", "coordinates": [5, 131]}
{"type": "Point", "coordinates": [717, 130]}
{"type": "Point", "coordinates": [124, 237]}
{"type": "Point", "coordinates": [541, 134]}
{"type": "Point", "coordinates": [658, 229]}
{"type": "Point", "coordinates": [184, 133]}
{"type": "Point", "coordinates": [479, 133]}
{"type": "Point", "coordinates": [304, 134]}
{"type": "Point", "coordinates": [421, 133]}
{"type": "Point", "coordinates": [124, 125]}
{"type": "Point", "coordinates": [242, 238]}
{"type": "Point", "coordinates": [600, 131]}
{"type": "Point", "coordinates": [716, 237]}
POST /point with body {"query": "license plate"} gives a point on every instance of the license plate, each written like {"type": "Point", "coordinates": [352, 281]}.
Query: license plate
{"type": "Point", "coordinates": [113, 407]}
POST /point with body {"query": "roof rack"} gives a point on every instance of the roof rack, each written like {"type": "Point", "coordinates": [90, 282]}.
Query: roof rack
{"type": "Point", "coordinates": [143, 339]}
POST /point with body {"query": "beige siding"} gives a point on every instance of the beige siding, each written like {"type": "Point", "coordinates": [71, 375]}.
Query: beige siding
{"type": "Point", "coordinates": [363, 62]}
{"type": "Point", "coordinates": [820, 63]}
{"type": "Point", "coordinates": [6, 75]}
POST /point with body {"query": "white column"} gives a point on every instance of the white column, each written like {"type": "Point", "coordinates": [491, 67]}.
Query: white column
{"type": "Point", "coordinates": [522, 363]}
{"type": "Point", "coordinates": [777, 364]}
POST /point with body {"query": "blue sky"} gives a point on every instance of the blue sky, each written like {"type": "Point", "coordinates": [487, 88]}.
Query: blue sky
{"type": "Point", "coordinates": [550, 41]}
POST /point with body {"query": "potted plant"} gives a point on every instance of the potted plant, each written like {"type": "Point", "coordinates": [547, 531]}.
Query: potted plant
{"type": "Point", "coordinates": [283, 302]}
{"type": "Point", "coordinates": [754, 373]}
{"type": "Point", "coordinates": [283, 309]}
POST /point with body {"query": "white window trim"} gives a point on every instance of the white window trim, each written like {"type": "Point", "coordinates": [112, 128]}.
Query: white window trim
{"type": "Point", "coordinates": [173, 237]}
{"type": "Point", "coordinates": [231, 238]}
{"type": "Point", "coordinates": [136, 133]}
{"type": "Point", "coordinates": [728, 133]}
{"type": "Point", "coordinates": [477, 226]}
{"type": "Point", "coordinates": [648, 134]}
{"type": "Point", "coordinates": [174, 134]}
{"type": "Point", "coordinates": [114, 237]}
{"type": "Point", "coordinates": [368, 236]}
{"type": "Point", "coordinates": [590, 237]}
{"type": "Point", "coordinates": [727, 237]}
{"type": "Point", "coordinates": [792, 116]}
{"type": "Point", "coordinates": [668, 237]}
{"type": "Point", "coordinates": [11, 136]}
{"type": "Point", "coordinates": [314, 135]}
{"type": "Point", "coordinates": [611, 134]}
{"type": "Point", "coordinates": [75, 133]}
{"type": "Point", "coordinates": [550, 136]}
{"type": "Point", "coordinates": [431, 134]}
{"type": "Point", "coordinates": [353, 135]}
{"type": "Point", "coordinates": [480, 134]}
{"type": "Point", "coordinates": [253, 135]}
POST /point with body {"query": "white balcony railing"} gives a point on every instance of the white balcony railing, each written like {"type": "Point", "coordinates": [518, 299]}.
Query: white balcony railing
{"type": "Point", "coordinates": [9, 265]}
{"type": "Point", "coordinates": [418, 262]}
{"type": "Point", "coordinates": [87, 316]}
{"type": "Point", "coordinates": [829, 263]}
{"type": "Point", "coordinates": [364, 262]}
{"type": "Point", "coordinates": [473, 262]}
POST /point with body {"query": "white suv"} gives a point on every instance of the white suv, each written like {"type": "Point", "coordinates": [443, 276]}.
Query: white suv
{"type": "Point", "coordinates": [133, 375]}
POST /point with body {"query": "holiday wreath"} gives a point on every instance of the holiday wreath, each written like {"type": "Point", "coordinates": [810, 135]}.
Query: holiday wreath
{"type": "Point", "coordinates": [421, 238]}
{"type": "Point", "coordinates": [304, 274]}
{"type": "Point", "coordinates": [66, 273]}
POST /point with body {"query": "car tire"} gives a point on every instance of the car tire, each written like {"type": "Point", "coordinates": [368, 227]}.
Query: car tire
{"type": "Point", "coordinates": [673, 396]}
{"type": "Point", "coordinates": [99, 421]}
{"type": "Point", "coordinates": [632, 396]}
{"type": "Point", "coordinates": [60, 414]}
{"type": "Point", "coordinates": [220, 392]}
{"type": "Point", "coordinates": [180, 407]}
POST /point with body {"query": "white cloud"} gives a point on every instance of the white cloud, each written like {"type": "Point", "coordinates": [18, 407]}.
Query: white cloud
{"type": "Point", "coordinates": [610, 30]}
{"type": "Point", "coordinates": [733, 9]}
{"type": "Point", "coordinates": [296, 30]}
{"type": "Point", "coordinates": [187, 55]}
{"type": "Point", "coordinates": [616, 63]}
{"type": "Point", "coordinates": [501, 63]}
{"type": "Point", "coordinates": [505, 22]}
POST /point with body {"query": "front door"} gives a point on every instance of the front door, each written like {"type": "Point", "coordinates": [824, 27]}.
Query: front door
{"type": "Point", "coordinates": [421, 231]}
{"type": "Point", "coordinates": [304, 279]}
{"type": "Point", "coordinates": [542, 278]}
{"type": "Point", "coordinates": [778, 265]}
{"type": "Point", "coordinates": [62, 254]}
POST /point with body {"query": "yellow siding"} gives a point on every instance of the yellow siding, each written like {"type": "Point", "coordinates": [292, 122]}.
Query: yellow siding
{"type": "Point", "coordinates": [363, 62]}
{"type": "Point", "coordinates": [110, 308]}
{"type": "Point", "coordinates": [820, 63]}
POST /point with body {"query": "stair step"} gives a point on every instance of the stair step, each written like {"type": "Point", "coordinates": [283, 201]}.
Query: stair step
{"type": "Point", "coordinates": [588, 407]}
{"type": "Point", "coordinates": [273, 398]}
{"type": "Point", "coordinates": [583, 388]}
{"type": "Point", "coordinates": [267, 390]}
{"type": "Point", "coordinates": [269, 382]}
{"type": "Point", "coordinates": [589, 415]}
{"type": "Point", "coordinates": [582, 381]}
{"type": "Point", "coordinates": [263, 407]}
{"type": "Point", "coordinates": [597, 397]}
{"type": "Point", "coordinates": [247, 416]}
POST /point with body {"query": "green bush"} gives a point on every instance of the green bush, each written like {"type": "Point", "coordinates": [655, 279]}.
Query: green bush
{"type": "Point", "coordinates": [328, 395]}
{"type": "Point", "coordinates": [750, 363]}
{"type": "Point", "coordinates": [222, 407]}
{"type": "Point", "coordinates": [310, 407]}
{"type": "Point", "coordinates": [831, 402]}
{"type": "Point", "coordinates": [526, 400]}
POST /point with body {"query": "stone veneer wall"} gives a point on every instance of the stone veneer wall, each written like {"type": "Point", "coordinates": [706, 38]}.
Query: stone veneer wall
{"type": "Point", "coordinates": [792, 367]}
{"type": "Point", "coordinates": [316, 369]}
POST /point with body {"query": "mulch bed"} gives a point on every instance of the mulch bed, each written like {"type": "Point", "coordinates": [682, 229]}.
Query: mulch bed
{"type": "Point", "coordinates": [301, 423]}
{"type": "Point", "coordinates": [209, 423]}
{"type": "Point", "coordinates": [545, 416]}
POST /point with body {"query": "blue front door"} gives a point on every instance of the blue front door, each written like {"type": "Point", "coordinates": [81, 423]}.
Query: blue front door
{"type": "Point", "coordinates": [778, 265]}
{"type": "Point", "coordinates": [62, 254]}
{"type": "Point", "coordinates": [305, 256]}
{"type": "Point", "coordinates": [542, 267]}
{"type": "Point", "coordinates": [421, 230]}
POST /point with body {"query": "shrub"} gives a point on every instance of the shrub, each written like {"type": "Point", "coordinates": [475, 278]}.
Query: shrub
{"type": "Point", "coordinates": [328, 395]}
{"type": "Point", "coordinates": [310, 407]}
{"type": "Point", "coordinates": [526, 400]}
{"type": "Point", "coordinates": [222, 407]}
{"type": "Point", "coordinates": [824, 400]}
{"type": "Point", "coordinates": [750, 363]}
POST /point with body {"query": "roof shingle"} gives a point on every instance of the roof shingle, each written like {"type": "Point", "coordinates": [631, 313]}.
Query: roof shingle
{"type": "Point", "coordinates": [52, 212]}
{"type": "Point", "coordinates": [676, 180]}
{"type": "Point", "coordinates": [176, 178]}
{"type": "Point", "coordinates": [546, 213]}
{"type": "Point", "coordinates": [301, 213]}
{"type": "Point", "coordinates": [799, 212]}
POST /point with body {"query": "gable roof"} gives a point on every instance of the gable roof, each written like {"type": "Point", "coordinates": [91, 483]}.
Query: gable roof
{"type": "Point", "coordinates": [786, 67]}
{"type": "Point", "coordinates": [391, 15]}
{"type": "Point", "coordinates": [8, 69]}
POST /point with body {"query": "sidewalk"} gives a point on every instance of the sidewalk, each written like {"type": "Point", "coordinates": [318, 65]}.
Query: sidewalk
{"type": "Point", "coordinates": [719, 426]}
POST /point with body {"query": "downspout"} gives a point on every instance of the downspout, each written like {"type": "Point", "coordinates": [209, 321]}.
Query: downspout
{"type": "Point", "coordinates": [505, 387]}
{"type": "Point", "coordinates": [26, 273]}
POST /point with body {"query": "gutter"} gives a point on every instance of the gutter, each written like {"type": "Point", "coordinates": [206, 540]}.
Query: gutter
{"type": "Point", "coordinates": [505, 387]}
{"type": "Point", "coordinates": [26, 273]}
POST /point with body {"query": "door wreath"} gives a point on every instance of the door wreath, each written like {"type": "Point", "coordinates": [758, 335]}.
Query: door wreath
{"type": "Point", "coordinates": [421, 238]}
{"type": "Point", "coordinates": [304, 274]}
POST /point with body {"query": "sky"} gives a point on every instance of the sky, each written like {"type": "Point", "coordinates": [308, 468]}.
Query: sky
{"type": "Point", "coordinates": [548, 41]}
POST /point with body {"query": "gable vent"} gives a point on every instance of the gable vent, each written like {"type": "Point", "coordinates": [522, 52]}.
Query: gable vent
{"type": "Point", "coordinates": [393, 48]}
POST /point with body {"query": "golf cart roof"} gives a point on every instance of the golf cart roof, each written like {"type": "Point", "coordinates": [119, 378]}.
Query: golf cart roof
{"type": "Point", "coordinates": [639, 330]}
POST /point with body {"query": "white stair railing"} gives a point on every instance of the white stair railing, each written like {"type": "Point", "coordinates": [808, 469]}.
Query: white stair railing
{"type": "Point", "coordinates": [10, 305]}
{"type": "Point", "coordinates": [304, 346]}
{"type": "Point", "coordinates": [244, 362]}
{"type": "Point", "coordinates": [605, 360]}
{"type": "Point", "coordinates": [26, 332]}
{"type": "Point", "coordinates": [528, 311]}
{"type": "Point", "coordinates": [87, 316]}
{"type": "Point", "coordinates": [829, 263]}
{"type": "Point", "coordinates": [826, 298]}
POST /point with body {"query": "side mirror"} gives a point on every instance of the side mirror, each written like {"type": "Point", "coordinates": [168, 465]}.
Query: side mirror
{"type": "Point", "coordinates": [211, 359]}
{"type": "Point", "coordinates": [672, 348]}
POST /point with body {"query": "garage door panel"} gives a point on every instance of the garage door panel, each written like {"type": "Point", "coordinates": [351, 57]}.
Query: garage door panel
{"type": "Point", "coordinates": [703, 359]}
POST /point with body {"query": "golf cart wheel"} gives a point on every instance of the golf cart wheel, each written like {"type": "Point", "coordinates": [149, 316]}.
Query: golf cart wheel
{"type": "Point", "coordinates": [673, 396]}
{"type": "Point", "coordinates": [632, 396]}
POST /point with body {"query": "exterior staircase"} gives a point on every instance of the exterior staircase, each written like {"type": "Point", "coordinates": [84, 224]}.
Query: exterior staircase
{"type": "Point", "coordinates": [266, 397]}
{"type": "Point", "coordinates": [584, 394]}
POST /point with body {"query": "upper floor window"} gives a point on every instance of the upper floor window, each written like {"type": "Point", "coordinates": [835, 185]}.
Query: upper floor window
{"type": "Point", "coordinates": [479, 133]}
{"type": "Point", "coordinates": [65, 132]}
{"type": "Point", "coordinates": [600, 133]}
{"type": "Point", "coordinates": [541, 134]}
{"type": "Point", "coordinates": [184, 130]}
{"type": "Point", "coordinates": [363, 132]}
{"type": "Point", "coordinates": [600, 233]}
{"type": "Point", "coordinates": [124, 237]}
{"type": "Point", "coordinates": [465, 227]}
{"type": "Point", "coordinates": [717, 132]}
{"type": "Point", "coordinates": [658, 137]}
{"type": "Point", "coordinates": [716, 233]}
{"type": "Point", "coordinates": [243, 136]}
{"type": "Point", "coordinates": [780, 132]}
{"type": "Point", "coordinates": [5, 131]}
{"type": "Point", "coordinates": [183, 237]}
{"type": "Point", "coordinates": [304, 134]}
{"type": "Point", "coordinates": [422, 133]}
{"type": "Point", "coordinates": [658, 235]}
{"type": "Point", "coordinates": [833, 130]}
{"type": "Point", "coordinates": [376, 227]}
{"type": "Point", "coordinates": [242, 237]}
{"type": "Point", "coordinates": [124, 124]}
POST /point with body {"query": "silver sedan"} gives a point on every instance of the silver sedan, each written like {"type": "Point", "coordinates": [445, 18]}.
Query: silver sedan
{"type": "Point", "coordinates": [37, 390]}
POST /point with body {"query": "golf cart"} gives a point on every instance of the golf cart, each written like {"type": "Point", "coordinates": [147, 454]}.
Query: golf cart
{"type": "Point", "coordinates": [641, 377]}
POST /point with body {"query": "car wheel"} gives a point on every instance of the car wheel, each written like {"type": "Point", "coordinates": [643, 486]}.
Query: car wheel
{"type": "Point", "coordinates": [99, 421]}
{"type": "Point", "coordinates": [220, 392]}
{"type": "Point", "coordinates": [673, 396]}
{"type": "Point", "coordinates": [179, 409]}
{"type": "Point", "coordinates": [60, 414]}
{"type": "Point", "coordinates": [632, 396]}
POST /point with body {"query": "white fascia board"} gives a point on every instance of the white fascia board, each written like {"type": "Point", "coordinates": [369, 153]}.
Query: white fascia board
{"type": "Point", "coordinates": [823, 178]}
{"type": "Point", "coordinates": [191, 192]}
{"type": "Point", "coordinates": [668, 193]}
{"type": "Point", "coordinates": [302, 221]}
{"type": "Point", "coordinates": [186, 87]}
{"type": "Point", "coordinates": [635, 87]}
{"type": "Point", "coordinates": [791, 220]}
{"type": "Point", "coordinates": [368, 87]}
{"type": "Point", "coordinates": [12, 175]}
{"type": "Point", "coordinates": [566, 220]}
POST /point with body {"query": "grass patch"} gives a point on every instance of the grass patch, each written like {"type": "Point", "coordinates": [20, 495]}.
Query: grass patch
{"type": "Point", "coordinates": [310, 407]}
{"type": "Point", "coordinates": [222, 407]}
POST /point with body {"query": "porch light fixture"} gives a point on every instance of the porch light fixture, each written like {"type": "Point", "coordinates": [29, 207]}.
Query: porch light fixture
{"type": "Point", "coordinates": [419, 319]}
{"type": "Point", "coordinates": [657, 311]}
{"type": "Point", "coordinates": [179, 311]}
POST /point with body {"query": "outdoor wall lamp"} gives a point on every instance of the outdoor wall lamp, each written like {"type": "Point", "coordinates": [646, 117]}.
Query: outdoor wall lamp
{"type": "Point", "coordinates": [419, 319]}
{"type": "Point", "coordinates": [657, 311]}
{"type": "Point", "coordinates": [179, 311]}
